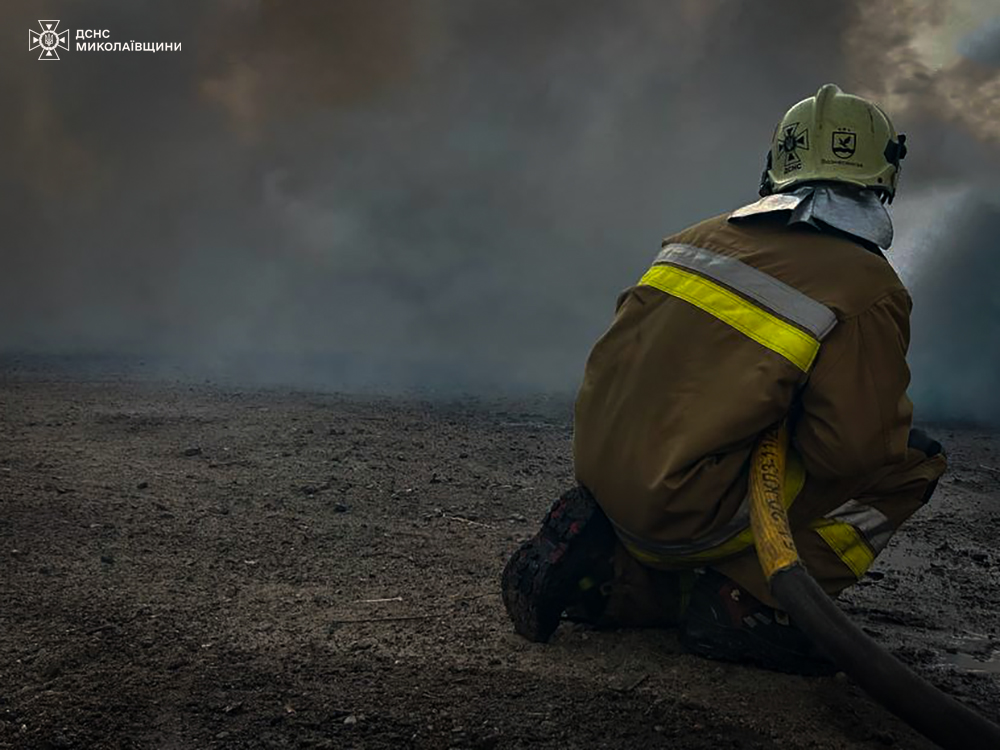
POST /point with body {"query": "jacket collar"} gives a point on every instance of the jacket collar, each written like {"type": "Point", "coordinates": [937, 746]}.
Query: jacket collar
{"type": "Point", "coordinates": [855, 212]}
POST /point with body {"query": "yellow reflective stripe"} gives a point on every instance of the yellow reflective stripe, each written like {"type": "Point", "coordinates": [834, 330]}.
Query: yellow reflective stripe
{"type": "Point", "coordinates": [793, 344]}
{"type": "Point", "coordinates": [795, 479]}
{"type": "Point", "coordinates": [847, 542]}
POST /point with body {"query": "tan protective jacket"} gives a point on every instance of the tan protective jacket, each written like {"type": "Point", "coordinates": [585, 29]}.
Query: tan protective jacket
{"type": "Point", "coordinates": [734, 326]}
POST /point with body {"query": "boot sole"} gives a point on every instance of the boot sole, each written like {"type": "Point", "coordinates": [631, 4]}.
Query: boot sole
{"type": "Point", "coordinates": [542, 576]}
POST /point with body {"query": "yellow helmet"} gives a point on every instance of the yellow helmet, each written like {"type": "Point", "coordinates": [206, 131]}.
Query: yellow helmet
{"type": "Point", "coordinates": [836, 137]}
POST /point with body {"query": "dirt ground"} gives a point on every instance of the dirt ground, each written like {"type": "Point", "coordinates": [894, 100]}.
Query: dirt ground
{"type": "Point", "coordinates": [207, 567]}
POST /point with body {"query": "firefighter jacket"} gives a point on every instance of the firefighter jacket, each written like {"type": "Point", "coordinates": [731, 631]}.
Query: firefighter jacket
{"type": "Point", "coordinates": [738, 324]}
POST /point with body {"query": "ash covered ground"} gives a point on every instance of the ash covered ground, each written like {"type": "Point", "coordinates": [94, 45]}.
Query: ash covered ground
{"type": "Point", "coordinates": [208, 567]}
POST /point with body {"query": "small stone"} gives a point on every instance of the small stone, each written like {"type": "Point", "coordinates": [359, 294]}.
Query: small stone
{"type": "Point", "coordinates": [194, 450]}
{"type": "Point", "coordinates": [979, 556]}
{"type": "Point", "coordinates": [351, 720]}
{"type": "Point", "coordinates": [142, 485]}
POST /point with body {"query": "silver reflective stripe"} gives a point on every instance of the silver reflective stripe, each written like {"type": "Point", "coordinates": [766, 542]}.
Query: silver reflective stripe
{"type": "Point", "coordinates": [873, 524]}
{"type": "Point", "coordinates": [786, 301]}
{"type": "Point", "coordinates": [739, 522]}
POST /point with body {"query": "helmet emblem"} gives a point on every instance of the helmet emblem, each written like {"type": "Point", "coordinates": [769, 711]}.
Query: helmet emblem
{"type": "Point", "coordinates": [792, 140]}
{"type": "Point", "coordinates": [844, 144]}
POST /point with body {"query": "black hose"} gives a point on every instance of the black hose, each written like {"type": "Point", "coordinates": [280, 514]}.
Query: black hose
{"type": "Point", "coordinates": [934, 714]}
{"type": "Point", "coordinates": [939, 717]}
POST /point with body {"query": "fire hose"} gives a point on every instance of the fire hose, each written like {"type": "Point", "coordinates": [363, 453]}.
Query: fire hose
{"type": "Point", "coordinates": [937, 716]}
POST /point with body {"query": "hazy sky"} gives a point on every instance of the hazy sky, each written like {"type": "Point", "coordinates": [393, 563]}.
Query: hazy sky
{"type": "Point", "coordinates": [450, 193]}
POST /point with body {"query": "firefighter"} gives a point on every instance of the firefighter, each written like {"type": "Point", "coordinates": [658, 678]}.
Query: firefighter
{"type": "Point", "coordinates": [785, 309]}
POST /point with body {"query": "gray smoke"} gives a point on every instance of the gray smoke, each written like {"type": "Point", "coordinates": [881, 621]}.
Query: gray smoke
{"type": "Point", "coordinates": [983, 44]}
{"type": "Point", "coordinates": [956, 325]}
{"type": "Point", "coordinates": [446, 194]}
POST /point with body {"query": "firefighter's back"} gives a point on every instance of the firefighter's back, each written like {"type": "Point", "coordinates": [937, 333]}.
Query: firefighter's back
{"type": "Point", "coordinates": [712, 346]}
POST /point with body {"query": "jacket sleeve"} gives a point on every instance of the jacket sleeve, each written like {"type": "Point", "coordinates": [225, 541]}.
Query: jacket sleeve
{"type": "Point", "coordinates": [855, 414]}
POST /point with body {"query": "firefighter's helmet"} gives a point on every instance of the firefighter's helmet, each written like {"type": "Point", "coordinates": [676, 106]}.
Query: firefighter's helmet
{"type": "Point", "coordinates": [835, 137]}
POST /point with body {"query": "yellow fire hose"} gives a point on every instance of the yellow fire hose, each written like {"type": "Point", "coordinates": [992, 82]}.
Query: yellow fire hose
{"type": "Point", "coordinates": [931, 712]}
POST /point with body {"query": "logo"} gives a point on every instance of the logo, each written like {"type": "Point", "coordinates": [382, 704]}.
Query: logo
{"type": "Point", "coordinates": [792, 141]}
{"type": "Point", "coordinates": [845, 143]}
{"type": "Point", "coordinates": [49, 39]}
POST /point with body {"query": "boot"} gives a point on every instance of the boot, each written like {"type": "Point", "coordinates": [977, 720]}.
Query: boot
{"type": "Point", "coordinates": [563, 565]}
{"type": "Point", "coordinates": [726, 623]}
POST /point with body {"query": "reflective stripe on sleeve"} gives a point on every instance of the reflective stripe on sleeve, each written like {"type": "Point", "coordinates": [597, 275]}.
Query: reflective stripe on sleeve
{"type": "Point", "coordinates": [775, 295]}
{"type": "Point", "coordinates": [874, 525]}
{"type": "Point", "coordinates": [847, 542]}
{"type": "Point", "coordinates": [856, 533]}
{"type": "Point", "coordinates": [766, 329]}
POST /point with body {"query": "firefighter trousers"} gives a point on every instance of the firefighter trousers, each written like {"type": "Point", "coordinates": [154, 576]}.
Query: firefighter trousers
{"type": "Point", "coordinates": [839, 528]}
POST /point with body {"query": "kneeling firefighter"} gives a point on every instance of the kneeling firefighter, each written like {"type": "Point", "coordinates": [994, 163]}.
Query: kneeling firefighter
{"type": "Point", "coordinates": [783, 311]}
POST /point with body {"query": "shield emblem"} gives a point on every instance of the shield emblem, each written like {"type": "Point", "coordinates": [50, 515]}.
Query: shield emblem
{"type": "Point", "coordinates": [845, 143]}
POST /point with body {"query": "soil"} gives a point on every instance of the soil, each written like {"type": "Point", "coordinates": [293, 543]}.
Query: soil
{"type": "Point", "coordinates": [209, 567]}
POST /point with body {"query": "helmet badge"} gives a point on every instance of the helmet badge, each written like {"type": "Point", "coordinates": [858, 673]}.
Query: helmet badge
{"type": "Point", "coordinates": [844, 144]}
{"type": "Point", "coordinates": [792, 140]}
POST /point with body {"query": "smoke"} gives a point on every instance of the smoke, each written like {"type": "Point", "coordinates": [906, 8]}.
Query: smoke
{"type": "Point", "coordinates": [956, 341]}
{"type": "Point", "coordinates": [950, 231]}
{"type": "Point", "coordinates": [446, 194]}
{"type": "Point", "coordinates": [983, 44]}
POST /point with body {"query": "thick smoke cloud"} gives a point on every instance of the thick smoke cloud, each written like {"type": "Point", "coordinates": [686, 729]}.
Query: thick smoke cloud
{"type": "Point", "coordinates": [443, 194]}
{"type": "Point", "coordinates": [957, 326]}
